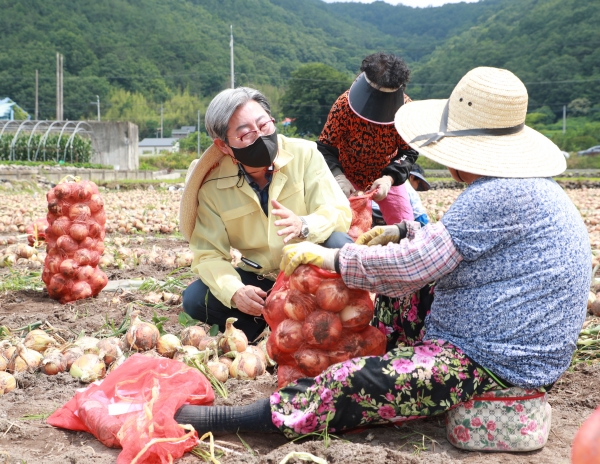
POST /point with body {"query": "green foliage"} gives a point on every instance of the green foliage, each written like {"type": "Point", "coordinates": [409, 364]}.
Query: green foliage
{"type": "Point", "coordinates": [167, 161]}
{"type": "Point", "coordinates": [55, 148]}
{"type": "Point", "coordinates": [189, 144]}
{"type": "Point", "coordinates": [310, 94]}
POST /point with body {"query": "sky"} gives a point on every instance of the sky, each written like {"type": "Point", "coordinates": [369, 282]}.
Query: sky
{"type": "Point", "coordinates": [414, 3]}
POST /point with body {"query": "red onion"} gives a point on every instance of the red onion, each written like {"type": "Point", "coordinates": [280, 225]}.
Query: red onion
{"type": "Point", "coordinates": [322, 329]}
{"type": "Point", "coordinates": [305, 279]}
{"type": "Point", "coordinates": [298, 305]}
{"type": "Point", "coordinates": [273, 311]}
{"type": "Point", "coordinates": [332, 295]}
{"type": "Point", "coordinates": [288, 336]}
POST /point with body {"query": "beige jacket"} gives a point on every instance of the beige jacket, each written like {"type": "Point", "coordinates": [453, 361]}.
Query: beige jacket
{"type": "Point", "coordinates": [229, 216]}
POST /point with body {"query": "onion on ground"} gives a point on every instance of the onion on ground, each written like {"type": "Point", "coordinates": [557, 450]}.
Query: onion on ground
{"type": "Point", "coordinates": [192, 335]}
{"type": "Point", "coordinates": [110, 349]}
{"type": "Point", "coordinates": [233, 339]}
{"type": "Point", "coordinates": [71, 354]}
{"type": "Point", "coordinates": [246, 366]}
{"type": "Point", "coordinates": [167, 345]}
{"type": "Point", "coordinates": [39, 340]}
{"type": "Point", "coordinates": [54, 362]}
{"type": "Point", "coordinates": [88, 368]}
{"type": "Point", "coordinates": [7, 382]}
{"type": "Point", "coordinates": [24, 360]}
{"type": "Point", "coordinates": [89, 345]}
{"type": "Point", "coordinates": [141, 336]}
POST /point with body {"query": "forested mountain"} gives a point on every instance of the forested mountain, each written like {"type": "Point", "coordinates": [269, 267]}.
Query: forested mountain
{"type": "Point", "coordinates": [158, 49]}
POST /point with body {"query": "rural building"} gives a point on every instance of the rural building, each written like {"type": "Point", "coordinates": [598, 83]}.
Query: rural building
{"type": "Point", "coordinates": [152, 146]}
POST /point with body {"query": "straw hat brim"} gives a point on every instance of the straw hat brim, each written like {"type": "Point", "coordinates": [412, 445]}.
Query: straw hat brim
{"type": "Point", "coordinates": [188, 207]}
{"type": "Point", "coordinates": [524, 154]}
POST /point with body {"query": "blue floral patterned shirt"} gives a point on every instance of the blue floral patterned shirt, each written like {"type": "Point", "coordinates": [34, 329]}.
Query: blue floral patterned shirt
{"type": "Point", "coordinates": [516, 302]}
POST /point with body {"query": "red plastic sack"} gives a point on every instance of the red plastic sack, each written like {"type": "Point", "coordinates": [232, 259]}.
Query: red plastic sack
{"type": "Point", "coordinates": [74, 241]}
{"type": "Point", "coordinates": [317, 321]}
{"type": "Point", "coordinates": [134, 408]}
{"type": "Point", "coordinates": [362, 214]}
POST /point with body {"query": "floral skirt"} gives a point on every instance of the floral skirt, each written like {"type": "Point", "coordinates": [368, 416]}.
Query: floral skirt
{"type": "Point", "coordinates": [409, 382]}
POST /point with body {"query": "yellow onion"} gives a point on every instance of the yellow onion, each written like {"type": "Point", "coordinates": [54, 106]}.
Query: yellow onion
{"type": "Point", "coordinates": [263, 346]}
{"type": "Point", "coordinates": [23, 360]}
{"type": "Point", "coordinates": [246, 366]}
{"type": "Point", "coordinates": [54, 362]}
{"type": "Point", "coordinates": [233, 339]}
{"type": "Point", "coordinates": [168, 345]}
{"type": "Point", "coordinates": [225, 360]}
{"type": "Point", "coordinates": [71, 354]}
{"type": "Point", "coordinates": [116, 363]}
{"type": "Point", "coordinates": [110, 349]}
{"type": "Point", "coordinates": [3, 363]}
{"type": "Point", "coordinates": [258, 352]}
{"type": "Point", "coordinates": [141, 336]}
{"type": "Point", "coordinates": [219, 370]}
{"type": "Point", "coordinates": [88, 368]}
{"type": "Point", "coordinates": [207, 342]}
{"type": "Point", "coordinates": [39, 341]}
{"type": "Point", "coordinates": [185, 352]}
{"type": "Point", "coordinates": [89, 345]}
{"type": "Point", "coordinates": [192, 335]}
{"type": "Point", "coordinates": [7, 382]}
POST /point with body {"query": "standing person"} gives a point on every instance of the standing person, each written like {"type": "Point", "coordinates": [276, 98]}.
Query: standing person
{"type": "Point", "coordinates": [417, 183]}
{"type": "Point", "coordinates": [253, 190]}
{"type": "Point", "coordinates": [511, 258]}
{"type": "Point", "coordinates": [360, 143]}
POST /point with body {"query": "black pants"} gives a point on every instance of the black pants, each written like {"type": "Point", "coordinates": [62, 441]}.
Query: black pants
{"type": "Point", "coordinates": [202, 305]}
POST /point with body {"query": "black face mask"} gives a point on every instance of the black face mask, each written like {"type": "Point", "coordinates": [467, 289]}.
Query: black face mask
{"type": "Point", "coordinates": [260, 154]}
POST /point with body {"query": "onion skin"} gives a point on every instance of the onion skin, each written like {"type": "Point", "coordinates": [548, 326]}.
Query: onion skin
{"type": "Point", "coordinates": [233, 339]}
{"type": "Point", "coordinates": [322, 329]}
{"type": "Point", "coordinates": [7, 383]}
{"type": "Point", "coordinates": [273, 311]}
{"type": "Point", "coordinates": [192, 335]}
{"type": "Point", "coordinates": [225, 360]}
{"type": "Point", "coordinates": [332, 295]}
{"type": "Point", "coordinates": [23, 360]}
{"type": "Point", "coordinates": [288, 336]}
{"type": "Point", "coordinates": [168, 345]}
{"type": "Point", "coordinates": [298, 305]}
{"type": "Point", "coordinates": [88, 368]}
{"type": "Point", "coordinates": [305, 279]}
{"type": "Point", "coordinates": [246, 366]}
{"type": "Point", "coordinates": [219, 370]}
{"type": "Point", "coordinates": [312, 362]}
{"type": "Point", "coordinates": [141, 336]}
{"type": "Point", "coordinates": [54, 363]}
{"type": "Point", "coordinates": [71, 354]}
{"type": "Point", "coordinates": [3, 362]}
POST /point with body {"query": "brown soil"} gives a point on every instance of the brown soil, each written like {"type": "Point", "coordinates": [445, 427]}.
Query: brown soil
{"type": "Point", "coordinates": [25, 437]}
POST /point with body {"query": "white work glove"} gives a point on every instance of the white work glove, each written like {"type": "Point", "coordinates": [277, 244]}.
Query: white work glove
{"type": "Point", "coordinates": [345, 185]}
{"type": "Point", "coordinates": [382, 235]}
{"type": "Point", "coordinates": [307, 253]}
{"type": "Point", "coordinates": [383, 184]}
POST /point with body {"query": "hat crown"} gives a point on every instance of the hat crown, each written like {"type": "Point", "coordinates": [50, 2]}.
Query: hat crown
{"type": "Point", "coordinates": [487, 98]}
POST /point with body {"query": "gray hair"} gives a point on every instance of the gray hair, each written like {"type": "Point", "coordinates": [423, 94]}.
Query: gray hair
{"type": "Point", "coordinates": [221, 109]}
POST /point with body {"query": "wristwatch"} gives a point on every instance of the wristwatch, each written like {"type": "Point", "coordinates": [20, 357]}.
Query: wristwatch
{"type": "Point", "coordinates": [304, 230]}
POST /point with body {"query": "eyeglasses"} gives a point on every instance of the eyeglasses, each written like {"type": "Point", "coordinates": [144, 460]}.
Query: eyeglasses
{"type": "Point", "coordinates": [248, 138]}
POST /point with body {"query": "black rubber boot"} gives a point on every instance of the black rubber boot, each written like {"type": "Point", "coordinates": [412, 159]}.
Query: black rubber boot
{"type": "Point", "coordinates": [255, 417]}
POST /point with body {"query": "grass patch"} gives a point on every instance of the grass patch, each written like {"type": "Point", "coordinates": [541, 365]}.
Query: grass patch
{"type": "Point", "coordinates": [21, 279]}
{"type": "Point", "coordinates": [167, 161]}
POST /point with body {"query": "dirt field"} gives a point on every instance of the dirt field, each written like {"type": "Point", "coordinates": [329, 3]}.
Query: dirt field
{"type": "Point", "coordinates": [25, 437]}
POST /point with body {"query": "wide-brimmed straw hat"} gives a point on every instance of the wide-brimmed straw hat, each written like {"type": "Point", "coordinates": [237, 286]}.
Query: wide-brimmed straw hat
{"type": "Point", "coordinates": [481, 129]}
{"type": "Point", "coordinates": [188, 208]}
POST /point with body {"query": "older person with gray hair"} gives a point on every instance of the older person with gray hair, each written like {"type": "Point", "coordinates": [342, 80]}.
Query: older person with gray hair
{"type": "Point", "coordinates": [252, 192]}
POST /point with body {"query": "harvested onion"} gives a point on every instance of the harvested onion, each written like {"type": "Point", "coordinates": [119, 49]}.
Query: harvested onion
{"type": "Point", "coordinates": [185, 352]}
{"type": "Point", "coordinates": [110, 349]}
{"type": "Point", "coordinates": [219, 370]}
{"type": "Point", "coordinates": [233, 339]}
{"type": "Point", "coordinates": [54, 362]}
{"type": "Point", "coordinates": [168, 345]}
{"type": "Point", "coordinates": [39, 340]}
{"type": "Point", "coordinates": [71, 354]}
{"type": "Point", "coordinates": [88, 368]}
{"type": "Point", "coordinates": [246, 366]}
{"type": "Point", "coordinates": [89, 345]}
{"type": "Point", "coordinates": [141, 336]}
{"type": "Point", "coordinates": [192, 335]}
{"type": "Point", "coordinates": [24, 359]}
{"type": "Point", "coordinates": [7, 382]}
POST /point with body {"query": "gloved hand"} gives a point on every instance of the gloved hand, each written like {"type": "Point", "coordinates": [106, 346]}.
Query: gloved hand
{"type": "Point", "coordinates": [382, 235]}
{"type": "Point", "coordinates": [345, 185]}
{"type": "Point", "coordinates": [384, 184]}
{"type": "Point", "coordinates": [307, 253]}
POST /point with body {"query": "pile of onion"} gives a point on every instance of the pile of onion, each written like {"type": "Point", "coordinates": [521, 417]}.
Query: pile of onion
{"type": "Point", "coordinates": [317, 321]}
{"type": "Point", "coordinates": [74, 241]}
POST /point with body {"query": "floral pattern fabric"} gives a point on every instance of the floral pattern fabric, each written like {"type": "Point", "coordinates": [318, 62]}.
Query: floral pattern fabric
{"type": "Point", "coordinates": [513, 419]}
{"type": "Point", "coordinates": [402, 319]}
{"type": "Point", "coordinates": [410, 382]}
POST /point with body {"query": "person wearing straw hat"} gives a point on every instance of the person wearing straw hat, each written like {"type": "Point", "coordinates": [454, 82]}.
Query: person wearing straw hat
{"type": "Point", "coordinates": [249, 194]}
{"type": "Point", "coordinates": [511, 258]}
{"type": "Point", "coordinates": [360, 143]}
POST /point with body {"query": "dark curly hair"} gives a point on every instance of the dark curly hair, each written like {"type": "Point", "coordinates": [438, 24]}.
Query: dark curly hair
{"type": "Point", "coordinates": [386, 70]}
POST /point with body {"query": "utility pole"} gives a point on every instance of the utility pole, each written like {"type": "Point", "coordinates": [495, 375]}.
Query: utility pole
{"type": "Point", "coordinates": [59, 87]}
{"type": "Point", "coordinates": [97, 103]}
{"type": "Point", "coordinates": [161, 120]}
{"type": "Point", "coordinates": [198, 133]}
{"type": "Point", "coordinates": [564, 119]}
{"type": "Point", "coordinates": [231, 46]}
{"type": "Point", "coordinates": [36, 94]}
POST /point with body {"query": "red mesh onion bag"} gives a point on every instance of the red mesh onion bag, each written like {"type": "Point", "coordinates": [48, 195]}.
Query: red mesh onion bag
{"type": "Point", "coordinates": [317, 321]}
{"type": "Point", "coordinates": [74, 241]}
{"type": "Point", "coordinates": [134, 407]}
{"type": "Point", "coordinates": [362, 214]}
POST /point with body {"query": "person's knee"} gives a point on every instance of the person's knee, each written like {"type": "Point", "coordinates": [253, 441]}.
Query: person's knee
{"type": "Point", "coordinates": [193, 300]}
{"type": "Point", "coordinates": [337, 240]}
